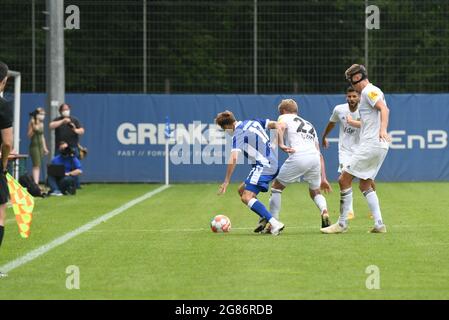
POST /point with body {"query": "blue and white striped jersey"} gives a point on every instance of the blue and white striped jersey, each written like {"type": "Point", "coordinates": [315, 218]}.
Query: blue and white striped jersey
{"type": "Point", "coordinates": [251, 138]}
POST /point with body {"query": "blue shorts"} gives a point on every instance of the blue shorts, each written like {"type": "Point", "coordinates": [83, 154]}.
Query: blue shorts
{"type": "Point", "coordinates": [256, 182]}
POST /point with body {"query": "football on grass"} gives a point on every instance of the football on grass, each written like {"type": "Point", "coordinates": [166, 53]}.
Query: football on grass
{"type": "Point", "coordinates": [220, 223]}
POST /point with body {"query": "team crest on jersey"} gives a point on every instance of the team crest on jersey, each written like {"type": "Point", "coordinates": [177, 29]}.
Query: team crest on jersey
{"type": "Point", "coordinates": [372, 95]}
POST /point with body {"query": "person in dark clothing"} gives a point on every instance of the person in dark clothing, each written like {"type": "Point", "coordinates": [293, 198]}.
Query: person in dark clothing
{"type": "Point", "coordinates": [6, 141]}
{"type": "Point", "coordinates": [67, 128]}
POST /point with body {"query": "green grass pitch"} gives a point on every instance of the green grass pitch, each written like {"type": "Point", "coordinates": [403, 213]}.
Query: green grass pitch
{"type": "Point", "coordinates": [163, 248]}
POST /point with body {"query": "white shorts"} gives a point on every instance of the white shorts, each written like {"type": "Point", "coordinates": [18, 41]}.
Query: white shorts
{"type": "Point", "coordinates": [299, 165]}
{"type": "Point", "coordinates": [343, 158]}
{"type": "Point", "coordinates": [366, 162]}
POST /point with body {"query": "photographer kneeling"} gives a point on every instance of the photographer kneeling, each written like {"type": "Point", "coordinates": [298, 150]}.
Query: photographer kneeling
{"type": "Point", "coordinates": [66, 182]}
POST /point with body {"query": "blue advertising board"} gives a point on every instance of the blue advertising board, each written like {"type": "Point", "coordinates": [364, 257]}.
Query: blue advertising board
{"type": "Point", "coordinates": [126, 140]}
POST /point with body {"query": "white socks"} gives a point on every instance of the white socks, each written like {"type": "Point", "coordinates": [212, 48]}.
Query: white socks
{"type": "Point", "coordinates": [275, 202]}
{"type": "Point", "coordinates": [373, 203]}
{"type": "Point", "coordinates": [274, 222]}
{"type": "Point", "coordinates": [320, 202]}
{"type": "Point", "coordinates": [345, 206]}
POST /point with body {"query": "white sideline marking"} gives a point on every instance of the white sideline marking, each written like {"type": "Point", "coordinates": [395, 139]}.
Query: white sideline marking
{"type": "Point", "coordinates": [63, 239]}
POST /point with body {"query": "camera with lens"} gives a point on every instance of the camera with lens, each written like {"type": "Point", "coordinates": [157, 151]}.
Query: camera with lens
{"type": "Point", "coordinates": [68, 151]}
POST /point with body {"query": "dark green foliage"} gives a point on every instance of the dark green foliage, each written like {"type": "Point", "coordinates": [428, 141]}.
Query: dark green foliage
{"type": "Point", "coordinates": [207, 46]}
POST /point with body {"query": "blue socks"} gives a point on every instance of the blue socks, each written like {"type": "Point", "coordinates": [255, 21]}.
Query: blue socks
{"type": "Point", "coordinates": [258, 207]}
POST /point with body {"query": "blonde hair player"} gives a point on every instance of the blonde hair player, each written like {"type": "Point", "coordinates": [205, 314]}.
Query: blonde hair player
{"type": "Point", "coordinates": [369, 155]}
{"type": "Point", "coordinates": [305, 160]}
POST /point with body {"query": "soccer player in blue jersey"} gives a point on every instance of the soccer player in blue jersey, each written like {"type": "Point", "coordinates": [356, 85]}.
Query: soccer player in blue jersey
{"type": "Point", "coordinates": [251, 138]}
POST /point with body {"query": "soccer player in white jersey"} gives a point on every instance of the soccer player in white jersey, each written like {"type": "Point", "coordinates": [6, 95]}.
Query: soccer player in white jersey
{"type": "Point", "coordinates": [250, 137]}
{"type": "Point", "coordinates": [348, 117]}
{"type": "Point", "coordinates": [305, 159]}
{"type": "Point", "coordinates": [369, 155]}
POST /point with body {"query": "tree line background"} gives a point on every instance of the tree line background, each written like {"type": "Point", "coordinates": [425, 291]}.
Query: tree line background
{"type": "Point", "coordinates": [208, 46]}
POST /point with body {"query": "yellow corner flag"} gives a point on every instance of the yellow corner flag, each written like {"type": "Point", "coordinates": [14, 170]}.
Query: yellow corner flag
{"type": "Point", "coordinates": [22, 204]}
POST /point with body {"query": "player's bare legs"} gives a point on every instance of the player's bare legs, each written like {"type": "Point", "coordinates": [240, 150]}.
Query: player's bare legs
{"type": "Point", "coordinates": [241, 189]}
{"type": "Point", "coordinates": [247, 196]}
{"type": "Point", "coordinates": [366, 187]}
{"type": "Point", "coordinates": [2, 215]}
